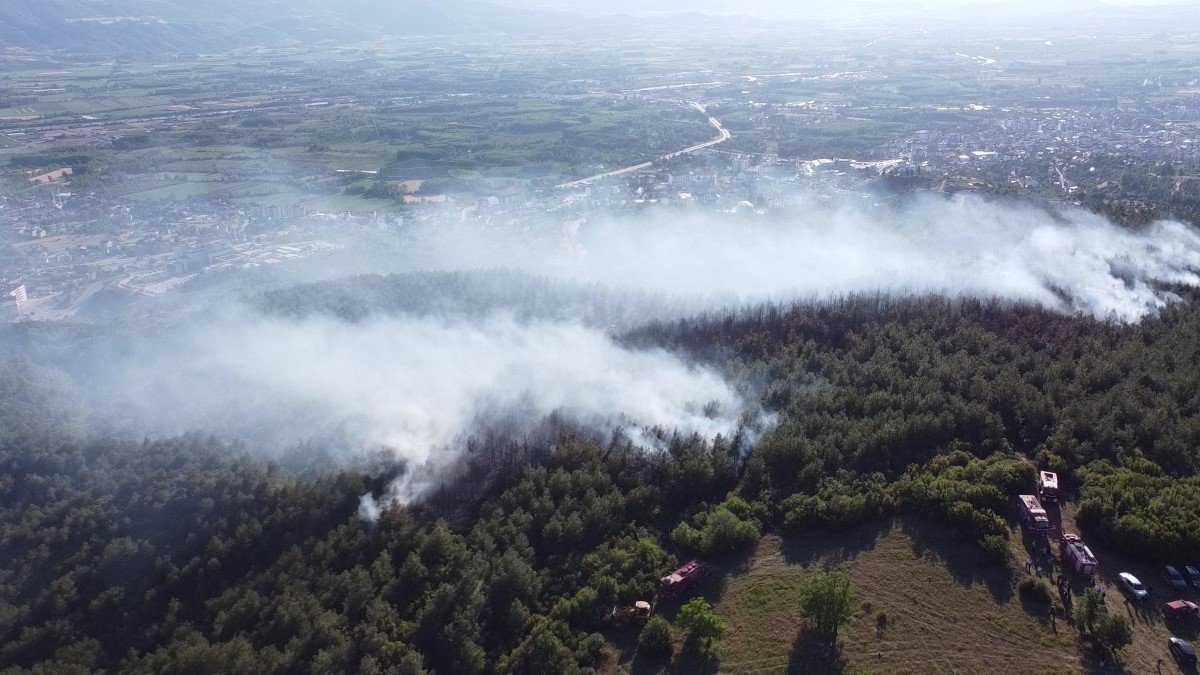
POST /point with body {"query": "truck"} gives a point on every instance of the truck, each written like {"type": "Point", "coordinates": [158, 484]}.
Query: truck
{"type": "Point", "coordinates": [639, 611]}
{"type": "Point", "coordinates": [1048, 486]}
{"type": "Point", "coordinates": [681, 579]}
{"type": "Point", "coordinates": [1033, 516]}
{"type": "Point", "coordinates": [1076, 556]}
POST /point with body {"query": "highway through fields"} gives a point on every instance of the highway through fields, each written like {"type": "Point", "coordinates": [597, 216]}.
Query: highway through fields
{"type": "Point", "coordinates": [722, 136]}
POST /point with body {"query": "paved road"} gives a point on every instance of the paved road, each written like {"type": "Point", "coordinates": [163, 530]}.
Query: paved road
{"type": "Point", "coordinates": [722, 136]}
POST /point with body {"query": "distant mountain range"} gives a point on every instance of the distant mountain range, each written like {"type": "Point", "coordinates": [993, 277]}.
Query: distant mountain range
{"type": "Point", "coordinates": [132, 26]}
{"type": "Point", "coordinates": [149, 26]}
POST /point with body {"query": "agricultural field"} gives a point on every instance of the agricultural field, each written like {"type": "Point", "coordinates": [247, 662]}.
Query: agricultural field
{"type": "Point", "coordinates": [176, 130]}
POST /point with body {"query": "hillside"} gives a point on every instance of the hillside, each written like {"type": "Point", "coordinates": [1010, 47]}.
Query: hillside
{"type": "Point", "coordinates": [945, 611]}
{"type": "Point", "coordinates": [906, 428]}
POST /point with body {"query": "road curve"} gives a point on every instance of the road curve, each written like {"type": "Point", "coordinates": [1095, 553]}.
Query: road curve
{"type": "Point", "coordinates": [722, 136]}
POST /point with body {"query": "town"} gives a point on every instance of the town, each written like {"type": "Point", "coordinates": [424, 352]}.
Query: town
{"type": "Point", "coordinates": [117, 181]}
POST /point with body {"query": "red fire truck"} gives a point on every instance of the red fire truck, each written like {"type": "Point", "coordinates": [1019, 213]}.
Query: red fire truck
{"type": "Point", "coordinates": [681, 579]}
{"type": "Point", "coordinates": [1076, 556]}
{"type": "Point", "coordinates": [1033, 516]}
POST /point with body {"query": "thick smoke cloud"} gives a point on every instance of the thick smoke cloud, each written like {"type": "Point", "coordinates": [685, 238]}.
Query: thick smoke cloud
{"type": "Point", "coordinates": [415, 387]}
{"type": "Point", "coordinates": [1073, 261]}
{"type": "Point", "coordinates": [418, 387]}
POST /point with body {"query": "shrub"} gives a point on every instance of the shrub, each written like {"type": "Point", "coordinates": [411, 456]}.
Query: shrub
{"type": "Point", "coordinates": [828, 601]}
{"type": "Point", "coordinates": [1114, 632]}
{"type": "Point", "coordinates": [700, 623]}
{"type": "Point", "coordinates": [715, 532]}
{"type": "Point", "coordinates": [1089, 608]}
{"type": "Point", "coordinates": [1036, 590]}
{"type": "Point", "coordinates": [655, 638]}
{"type": "Point", "coordinates": [995, 547]}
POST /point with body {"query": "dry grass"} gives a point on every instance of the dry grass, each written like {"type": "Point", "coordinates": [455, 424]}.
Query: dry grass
{"type": "Point", "coordinates": [947, 611]}
{"type": "Point", "coordinates": [945, 615]}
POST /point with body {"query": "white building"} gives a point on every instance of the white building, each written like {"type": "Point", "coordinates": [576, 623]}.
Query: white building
{"type": "Point", "coordinates": [10, 302]}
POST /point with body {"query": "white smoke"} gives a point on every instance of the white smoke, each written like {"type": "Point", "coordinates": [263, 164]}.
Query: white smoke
{"type": "Point", "coordinates": [1073, 261]}
{"type": "Point", "coordinates": [369, 509]}
{"type": "Point", "coordinates": [415, 387]}
{"type": "Point", "coordinates": [418, 387]}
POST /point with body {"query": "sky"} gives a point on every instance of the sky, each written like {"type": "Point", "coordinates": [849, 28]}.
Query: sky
{"type": "Point", "coordinates": [782, 7]}
{"type": "Point", "coordinates": [799, 9]}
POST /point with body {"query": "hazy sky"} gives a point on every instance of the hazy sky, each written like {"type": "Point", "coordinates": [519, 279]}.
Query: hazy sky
{"type": "Point", "coordinates": [793, 7]}
{"type": "Point", "coordinates": [952, 3]}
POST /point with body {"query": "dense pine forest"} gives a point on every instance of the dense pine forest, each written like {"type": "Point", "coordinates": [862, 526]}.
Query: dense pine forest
{"type": "Point", "coordinates": [192, 554]}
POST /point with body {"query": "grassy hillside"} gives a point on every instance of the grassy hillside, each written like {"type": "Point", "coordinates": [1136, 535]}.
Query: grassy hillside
{"type": "Point", "coordinates": [947, 610]}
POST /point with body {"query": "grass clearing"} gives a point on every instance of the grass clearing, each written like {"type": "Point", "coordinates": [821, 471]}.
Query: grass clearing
{"type": "Point", "coordinates": [947, 610]}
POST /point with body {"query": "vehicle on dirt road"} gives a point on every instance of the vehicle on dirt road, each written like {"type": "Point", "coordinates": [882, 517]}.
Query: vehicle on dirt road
{"type": "Point", "coordinates": [1182, 650]}
{"type": "Point", "coordinates": [1076, 556]}
{"type": "Point", "coordinates": [638, 612]}
{"type": "Point", "coordinates": [1193, 575]}
{"type": "Point", "coordinates": [1174, 578]}
{"type": "Point", "coordinates": [1048, 486]}
{"type": "Point", "coordinates": [1180, 609]}
{"type": "Point", "coordinates": [1033, 515]}
{"type": "Point", "coordinates": [681, 579]}
{"type": "Point", "coordinates": [1133, 587]}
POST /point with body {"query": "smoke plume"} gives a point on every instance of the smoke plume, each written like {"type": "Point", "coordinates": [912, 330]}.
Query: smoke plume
{"type": "Point", "coordinates": [1071, 261]}
{"type": "Point", "coordinates": [416, 387]}
{"type": "Point", "coordinates": [419, 386]}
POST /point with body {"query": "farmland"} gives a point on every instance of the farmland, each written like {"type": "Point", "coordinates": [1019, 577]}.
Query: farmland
{"type": "Point", "coordinates": [267, 127]}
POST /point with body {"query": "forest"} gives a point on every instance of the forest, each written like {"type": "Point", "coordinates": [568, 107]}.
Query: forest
{"type": "Point", "coordinates": [195, 554]}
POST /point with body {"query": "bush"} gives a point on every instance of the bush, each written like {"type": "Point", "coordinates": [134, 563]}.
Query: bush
{"type": "Point", "coordinates": [1114, 632]}
{"type": "Point", "coordinates": [700, 624]}
{"type": "Point", "coordinates": [1089, 608]}
{"type": "Point", "coordinates": [828, 601]}
{"type": "Point", "coordinates": [716, 532]}
{"type": "Point", "coordinates": [655, 638]}
{"type": "Point", "coordinates": [995, 547]}
{"type": "Point", "coordinates": [1035, 589]}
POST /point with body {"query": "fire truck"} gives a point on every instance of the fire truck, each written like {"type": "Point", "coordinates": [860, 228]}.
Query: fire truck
{"type": "Point", "coordinates": [681, 579]}
{"type": "Point", "coordinates": [1048, 486]}
{"type": "Point", "coordinates": [1033, 516]}
{"type": "Point", "coordinates": [1076, 556]}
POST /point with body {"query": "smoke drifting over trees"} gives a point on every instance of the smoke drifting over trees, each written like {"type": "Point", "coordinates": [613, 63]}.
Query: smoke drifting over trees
{"type": "Point", "coordinates": [1071, 261]}
{"type": "Point", "coordinates": [414, 386]}
{"type": "Point", "coordinates": [886, 405]}
{"type": "Point", "coordinates": [415, 365]}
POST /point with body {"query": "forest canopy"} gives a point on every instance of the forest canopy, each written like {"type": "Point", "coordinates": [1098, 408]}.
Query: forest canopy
{"type": "Point", "coordinates": [149, 555]}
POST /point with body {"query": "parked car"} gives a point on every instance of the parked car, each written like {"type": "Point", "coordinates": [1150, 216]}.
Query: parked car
{"type": "Point", "coordinates": [1174, 578]}
{"type": "Point", "coordinates": [1193, 575]}
{"type": "Point", "coordinates": [1182, 650]}
{"type": "Point", "coordinates": [1180, 609]}
{"type": "Point", "coordinates": [1133, 586]}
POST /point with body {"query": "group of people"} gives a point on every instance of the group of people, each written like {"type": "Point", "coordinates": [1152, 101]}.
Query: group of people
{"type": "Point", "coordinates": [1064, 589]}
{"type": "Point", "coordinates": [1030, 565]}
